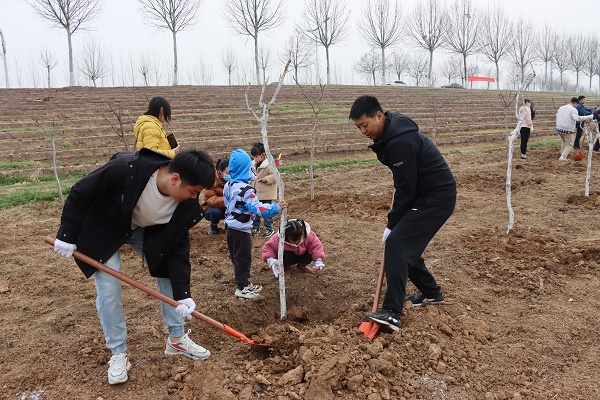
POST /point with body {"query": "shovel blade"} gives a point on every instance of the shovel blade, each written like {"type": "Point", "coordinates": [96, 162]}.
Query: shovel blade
{"type": "Point", "coordinates": [365, 327]}
{"type": "Point", "coordinates": [374, 328]}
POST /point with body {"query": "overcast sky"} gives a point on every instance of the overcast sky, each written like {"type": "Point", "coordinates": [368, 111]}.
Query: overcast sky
{"type": "Point", "coordinates": [121, 32]}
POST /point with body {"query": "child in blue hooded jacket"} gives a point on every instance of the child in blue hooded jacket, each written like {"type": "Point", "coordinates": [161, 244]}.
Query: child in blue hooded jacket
{"type": "Point", "coordinates": [241, 206]}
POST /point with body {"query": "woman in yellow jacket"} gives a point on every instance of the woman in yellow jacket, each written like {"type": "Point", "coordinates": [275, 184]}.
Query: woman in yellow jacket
{"type": "Point", "coordinates": [148, 129]}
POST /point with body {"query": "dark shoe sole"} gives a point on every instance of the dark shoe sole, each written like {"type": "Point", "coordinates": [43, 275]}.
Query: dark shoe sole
{"type": "Point", "coordinates": [386, 323]}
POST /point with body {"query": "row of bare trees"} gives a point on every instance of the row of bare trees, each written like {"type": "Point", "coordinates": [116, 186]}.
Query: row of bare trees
{"type": "Point", "coordinates": [455, 27]}
{"type": "Point", "coordinates": [466, 31]}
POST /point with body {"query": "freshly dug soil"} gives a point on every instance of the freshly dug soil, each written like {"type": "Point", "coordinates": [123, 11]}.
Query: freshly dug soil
{"type": "Point", "coordinates": [520, 319]}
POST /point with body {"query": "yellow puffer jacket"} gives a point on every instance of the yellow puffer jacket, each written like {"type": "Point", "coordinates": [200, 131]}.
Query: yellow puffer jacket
{"type": "Point", "coordinates": [150, 134]}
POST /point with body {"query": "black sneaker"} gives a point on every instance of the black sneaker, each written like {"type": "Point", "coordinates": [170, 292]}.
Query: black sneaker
{"type": "Point", "coordinates": [212, 230]}
{"type": "Point", "coordinates": [254, 231]}
{"type": "Point", "coordinates": [419, 300]}
{"type": "Point", "coordinates": [385, 317]}
{"type": "Point", "coordinates": [268, 233]}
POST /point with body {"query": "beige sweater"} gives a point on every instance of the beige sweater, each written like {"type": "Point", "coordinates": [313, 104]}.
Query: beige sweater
{"type": "Point", "coordinates": [265, 191]}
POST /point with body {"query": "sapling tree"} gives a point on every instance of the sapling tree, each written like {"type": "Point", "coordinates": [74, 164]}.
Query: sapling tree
{"type": "Point", "coordinates": [506, 99]}
{"type": "Point", "coordinates": [119, 131]}
{"type": "Point", "coordinates": [511, 139]}
{"type": "Point", "coordinates": [591, 138]}
{"type": "Point", "coordinates": [52, 135]}
{"type": "Point", "coordinates": [263, 119]}
{"type": "Point", "coordinates": [316, 107]}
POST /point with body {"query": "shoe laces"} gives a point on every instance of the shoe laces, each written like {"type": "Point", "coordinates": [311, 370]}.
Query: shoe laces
{"type": "Point", "coordinates": [189, 344]}
{"type": "Point", "coordinates": [118, 361]}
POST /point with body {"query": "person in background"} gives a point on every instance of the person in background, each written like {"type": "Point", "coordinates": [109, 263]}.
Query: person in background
{"type": "Point", "coordinates": [241, 207]}
{"type": "Point", "coordinates": [526, 126]}
{"type": "Point", "coordinates": [149, 131]}
{"type": "Point", "coordinates": [582, 111]}
{"type": "Point", "coordinates": [151, 209]}
{"type": "Point", "coordinates": [213, 202]}
{"type": "Point", "coordinates": [566, 117]}
{"type": "Point", "coordinates": [265, 186]}
{"type": "Point", "coordinates": [424, 198]}
{"type": "Point", "coordinates": [301, 247]}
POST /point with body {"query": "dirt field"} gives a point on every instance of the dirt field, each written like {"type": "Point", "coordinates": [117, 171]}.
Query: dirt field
{"type": "Point", "coordinates": [520, 321]}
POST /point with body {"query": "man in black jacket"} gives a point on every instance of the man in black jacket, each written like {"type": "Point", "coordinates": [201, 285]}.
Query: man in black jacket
{"type": "Point", "coordinates": [149, 201]}
{"type": "Point", "coordinates": [424, 198]}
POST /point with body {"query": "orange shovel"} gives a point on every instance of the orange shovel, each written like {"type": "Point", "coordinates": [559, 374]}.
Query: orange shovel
{"type": "Point", "coordinates": [124, 278]}
{"type": "Point", "coordinates": [369, 328]}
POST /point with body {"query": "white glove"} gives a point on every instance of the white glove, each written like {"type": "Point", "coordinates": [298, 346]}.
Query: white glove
{"type": "Point", "coordinates": [274, 265]}
{"type": "Point", "coordinates": [386, 233]}
{"type": "Point", "coordinates": [531, 130]}
{"type": "Point", "coordinates": [185, 307]}
{"type": "Point", "coordinates": [64, 249]}
{"type": "Point", "coordinates": [319, 265]}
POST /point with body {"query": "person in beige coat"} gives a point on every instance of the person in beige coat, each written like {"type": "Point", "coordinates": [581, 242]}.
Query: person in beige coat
{"type": "Point", "coordinates": [265, 187]}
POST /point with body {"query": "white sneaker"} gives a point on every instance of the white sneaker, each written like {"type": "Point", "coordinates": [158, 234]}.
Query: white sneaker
{"type": "Point", "coordinates": [249, 292]}
{"type": "Point", "coordinates": [563, 159]}
{"type": "Point", "coordinates": [118, 367]}
{"type": "Point", "coordinates": [255, 288]}
{"type": "Point", "coordinates": [186, 347]}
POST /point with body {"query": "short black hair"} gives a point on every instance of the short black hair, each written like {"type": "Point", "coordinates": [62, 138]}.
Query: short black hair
{"type": "Point", "coordinates": [222, 164]}
{"type": "Point", "coordinates": [257, 149]}
{"type": "Point", "coordinates": [156, 103]}
{"type": "Point", "coordinates": [574, 100]}
{"type": "Point", "coordinates": [194, 166]}
{"type": "Point", "coordinates": [581, 97]}
{"type": "Point", "coordinates": [365, 105]}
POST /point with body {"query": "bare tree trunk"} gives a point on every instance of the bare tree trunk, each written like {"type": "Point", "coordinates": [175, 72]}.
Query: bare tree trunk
{"type": "Point", "coordinates": [498, 77]}
{"type": "Point", "coordinates": [48, 69]}
{"type": "Point", "coordinates": [53, 137]}
{"type": "Point", "coordinates": [71, 73]}
{"type": "Point", "coordinates": [328, 69]}
{"type": "Point", "coordinates": [382, 66]}
{"type": "Point", "coordinates": [258, 82]}
{"type": "Point", "coordinates": [266, 107]}
{"type": "Point", "coordinates": [429, 78]}
{"type": "Point", "coordinates": [175, 81]}
{"type": "Point", "coordinates": [3, 45]}
{"type": "Point", "coordinates": [591, 138]}
{"type": "Point", "coordinates": [465, 70]}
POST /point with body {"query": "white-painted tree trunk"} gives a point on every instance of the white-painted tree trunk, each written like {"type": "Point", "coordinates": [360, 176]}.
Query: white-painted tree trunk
{"type": "Point", "coordinates": [591, 138]}
{"type": "Point", "coordinates": [511, 139]}
{"type": "Point", "coordinates": [263, 119]}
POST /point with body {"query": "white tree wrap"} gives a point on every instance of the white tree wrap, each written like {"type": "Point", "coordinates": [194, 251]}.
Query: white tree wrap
{"type": "Point", "coordinates": [263, 119]}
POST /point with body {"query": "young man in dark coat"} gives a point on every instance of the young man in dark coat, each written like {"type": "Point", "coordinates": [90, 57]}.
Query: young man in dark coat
{"type": "Point", "coordinates": [150, 201]}
{"type": "Point", "coordinates": [424, 198]}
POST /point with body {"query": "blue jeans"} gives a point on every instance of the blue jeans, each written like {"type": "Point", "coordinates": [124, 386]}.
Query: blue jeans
{"type": "Point", "coordinates": [110, 304]}
{"type": "Point", "coordinates": [214, 215]}
{"type": "Point", "coordinates": [268, 221]}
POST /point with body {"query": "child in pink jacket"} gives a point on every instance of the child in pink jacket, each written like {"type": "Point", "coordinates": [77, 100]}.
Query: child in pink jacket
{"type": "Point", "coordinates": [301, 247]}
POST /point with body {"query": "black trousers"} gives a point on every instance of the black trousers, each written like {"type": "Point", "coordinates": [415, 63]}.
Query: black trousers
{"type": "Point", "coordinates": [525, 132]}
{"type": "Point", "coordinates": [240, 251]}
{"type": "Point", "coordinates": [577, 137]}
{"type": "Point", "coordinates": [405, 246]}
{"type": "Point", "coordinates": [289, 259]}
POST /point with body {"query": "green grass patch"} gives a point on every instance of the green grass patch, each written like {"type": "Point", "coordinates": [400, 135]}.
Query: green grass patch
{"type": "Point", "coordinates": [543, 143]}
{"type": "Point", "coordinates": [22, 129]}
{"type": "Point", "coordinates": [18, 165]}
{"type": "Point", "coordinates": [16, 190]}
{"type": "Point", "coordinates": [302, 167]}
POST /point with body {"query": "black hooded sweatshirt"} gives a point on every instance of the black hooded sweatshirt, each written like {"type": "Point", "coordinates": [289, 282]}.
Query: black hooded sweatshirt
{"type": "Point", "coordinates": [418, 168]}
